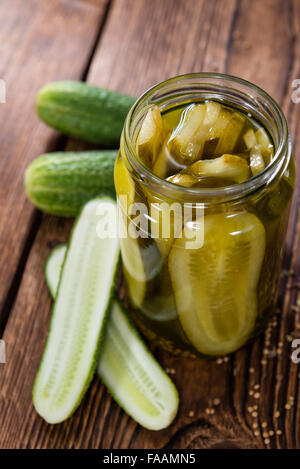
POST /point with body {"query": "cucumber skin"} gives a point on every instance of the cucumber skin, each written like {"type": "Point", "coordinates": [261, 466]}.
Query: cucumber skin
{"type": "Point", "coordinates": [95, 359]}
{"type": "Point", "coordinates": [84, 111]}
{"type": "Point", "coordinates": [61, 183]}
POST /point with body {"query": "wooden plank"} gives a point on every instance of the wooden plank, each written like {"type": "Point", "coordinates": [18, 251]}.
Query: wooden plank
{"type": "Point", "coordinates": [141, 45]}
{"type": "Point", "coordinates": [147, 42]}
{"type": "Point", "coordinates": [39, 42]}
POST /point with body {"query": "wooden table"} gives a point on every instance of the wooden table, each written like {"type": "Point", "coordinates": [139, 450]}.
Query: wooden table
{"type": "Point", "coordinates": [249, 399]}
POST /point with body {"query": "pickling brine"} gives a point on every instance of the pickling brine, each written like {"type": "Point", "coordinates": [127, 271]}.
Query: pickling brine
{"type": "Point", "coordinates": [204, 178]}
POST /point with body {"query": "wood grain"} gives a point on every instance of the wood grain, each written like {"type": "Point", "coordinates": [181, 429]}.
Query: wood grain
{"type": "Point", "coordinates": [224, 403]}
{"type": "Point", "coordinates": [39, 42]}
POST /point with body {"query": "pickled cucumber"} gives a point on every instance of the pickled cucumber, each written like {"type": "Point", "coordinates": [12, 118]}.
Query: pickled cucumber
{"type": "Point", "coordinates": [124, 183]}
{"type": "Point", "coordinates": [166, 223]}
{"type": "Point", "coordinates": [249, 139]}
{"type": "Point", "coordinates": [230, 167]}
{"type": "Point", "coordinates": [216, 132]}
{"type": "Point", "coordinates": [215, 286]}
{"type": "Point", "coordinates": [134, 272]}
{"type": "Point", "coordinates": [142, 261]}
{"type": "Point", "coordinates": [264, 141]}
{"type": "Point", "coordinates": [160, 167]}
{"type": "Point", "coordinates": [257, 163]}
{"type": "Point", "coordinates": [182, 179]}
{"type": "Point", "coordinates": [151, 137]}
{"type": "Point", "coordinates": [188, 141]}
{"type": "Point", "coordinates": [229, 137]}
{"type": "Point", "coordinates": [261, 147]}
{"type": "Point", "coordinates": [171, 142]}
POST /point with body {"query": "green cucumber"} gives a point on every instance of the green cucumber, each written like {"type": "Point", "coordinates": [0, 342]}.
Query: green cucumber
{"type": "Point", "coordinates": [83, 299]}
{"type": "Point", "coordinates": [130, 372]}
{"type": "Point", "coordinates": [61, 183]}
{"type": "Point", "coordinates": [133, 376]}
{"type": "Point", "coordinates": [84, 111]}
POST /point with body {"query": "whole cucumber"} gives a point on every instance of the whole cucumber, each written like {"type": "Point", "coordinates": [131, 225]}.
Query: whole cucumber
{"type": "Point", "coordinates": [84, 111]}
{"type": "Point", "coordinates": [61, 183]}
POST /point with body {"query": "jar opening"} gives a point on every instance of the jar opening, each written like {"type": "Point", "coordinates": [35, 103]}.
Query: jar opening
{"type": "Point", "coordinates": [223, 88]}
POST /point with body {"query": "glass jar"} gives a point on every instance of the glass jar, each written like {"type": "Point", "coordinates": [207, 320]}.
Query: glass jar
{"type": "Point", "coordinates": [210, 285]}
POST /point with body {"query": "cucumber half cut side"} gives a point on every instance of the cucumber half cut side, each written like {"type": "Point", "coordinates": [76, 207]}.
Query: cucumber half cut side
{"type": "Point", "coordinates": [131, 373]}
{"type": "Point", "coordinates": [83, 298]}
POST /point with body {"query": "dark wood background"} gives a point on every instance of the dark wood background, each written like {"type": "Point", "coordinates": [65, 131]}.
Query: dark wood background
{"type": "Point", "coordinates": [249, 399]}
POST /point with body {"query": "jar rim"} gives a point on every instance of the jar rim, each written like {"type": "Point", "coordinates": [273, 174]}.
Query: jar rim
{"type": "Point", "coordinates": [231, 192]}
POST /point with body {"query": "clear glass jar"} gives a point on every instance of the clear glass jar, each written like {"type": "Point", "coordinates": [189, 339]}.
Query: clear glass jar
{"type": "Point", "coordinates": [179, 297]}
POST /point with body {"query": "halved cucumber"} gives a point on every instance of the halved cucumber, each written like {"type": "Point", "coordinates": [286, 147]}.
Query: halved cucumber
{"type": "Point", "coordinates": [134, 377]}
{"type": "Point", "coordinates": [83, 299]}
{"type": "Point", "coordinates": [126, 366]}
{"type": "Point", "coordinates": [215, 285]}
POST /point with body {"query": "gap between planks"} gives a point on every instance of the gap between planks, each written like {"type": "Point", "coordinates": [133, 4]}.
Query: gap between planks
{"type": "Point", "coordinates": [59, 144]}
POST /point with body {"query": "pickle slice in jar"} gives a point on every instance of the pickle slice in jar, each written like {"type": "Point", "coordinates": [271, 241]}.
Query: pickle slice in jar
{"type": "Point", "coordinates": [189, 138]}
{"type": "Point", "coordinates": [166, 223]}
{"type": "Point", "coordinates": [257, 163]}
{"type": "Point", "coordinates": [185, 142]}
{"type": "Point", "coordinates": [215, 285]}
{"type": "Point", "coordinates": [261, 138]}
{"type": "Point", "coordinates": [218, 129]}
{"type": "Point", "coordinates": [124, 184]}
{"type": "Point", "coordinates": [161, 165]}
{"type": "Point", "coordinates": [231, 133]}
{"type": "Point", "coordinates": [183, 179]}
{"type": "Point", "coordinates": [142, 261]}
{"type": "Point", "coordinates": [249, 139]}
{"type": "Point", "coordinates": [205, 129]}
{"type": "Point", "coordinates": [213, 111]}
{"type": "Point", "coordinates": [264, 141]}
{"type": "Point", "coordinates": [230, 167]}
{"type": "Point", "coordinates": [151, 137]}
{"type": "Point", "coordinates": [141, 258]}
{"type": "Point", "coordinates": [133, 268]}
{"type": "Point", "coordinates": [161, 306]}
